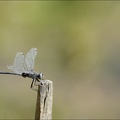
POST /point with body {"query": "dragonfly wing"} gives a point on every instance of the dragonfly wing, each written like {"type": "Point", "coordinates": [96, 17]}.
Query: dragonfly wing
{"type": "Point", "coordinates": [14, 69]}
{"type": "Point", "coordinates": [29, 59]}
{"type": "Point", "coordinates": [18, 66]}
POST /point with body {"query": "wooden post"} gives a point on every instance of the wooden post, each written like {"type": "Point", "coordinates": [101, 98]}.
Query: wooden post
{"type": "Point", "coordinates": [44, 100]}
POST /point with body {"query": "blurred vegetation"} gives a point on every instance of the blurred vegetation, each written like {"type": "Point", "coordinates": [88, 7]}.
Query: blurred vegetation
{"type": "Point", "coordinates": [78, 49]}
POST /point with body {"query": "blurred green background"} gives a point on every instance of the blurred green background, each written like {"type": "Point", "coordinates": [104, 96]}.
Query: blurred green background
{"type": "Point", "coordinates": [78, 49]}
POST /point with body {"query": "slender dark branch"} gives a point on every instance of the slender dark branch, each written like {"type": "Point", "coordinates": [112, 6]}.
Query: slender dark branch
{"type": "Point", "coordinates": [37, 111]}
{"type": "Point", "coordinates": [10, 73]}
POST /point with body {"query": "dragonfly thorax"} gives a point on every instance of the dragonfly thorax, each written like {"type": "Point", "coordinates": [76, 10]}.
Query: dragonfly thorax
{"type": "Point", "coordinates": [32, 75]}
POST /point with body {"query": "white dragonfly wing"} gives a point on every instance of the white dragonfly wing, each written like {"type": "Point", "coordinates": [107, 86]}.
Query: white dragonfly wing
{"type": "Point", "coordinates": [18, 66]}
{"type": "Point", "coordinates": [29, 59]}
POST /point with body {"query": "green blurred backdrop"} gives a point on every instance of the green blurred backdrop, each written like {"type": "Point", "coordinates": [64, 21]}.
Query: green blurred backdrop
{"type": "Point", "coordinates": [78, 49]}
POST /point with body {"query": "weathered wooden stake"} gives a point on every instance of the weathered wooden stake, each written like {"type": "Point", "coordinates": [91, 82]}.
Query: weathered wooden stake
{"type": "Point", "coordinates": [44, 100]}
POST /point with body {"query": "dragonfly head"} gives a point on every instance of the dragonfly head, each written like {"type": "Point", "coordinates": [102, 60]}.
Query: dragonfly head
{"type": "Point", "coordinates": [40, 76]}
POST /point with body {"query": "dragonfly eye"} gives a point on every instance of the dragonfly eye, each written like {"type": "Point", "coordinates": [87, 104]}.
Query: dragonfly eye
{"type": "Point", "coordinates": [40, 76]}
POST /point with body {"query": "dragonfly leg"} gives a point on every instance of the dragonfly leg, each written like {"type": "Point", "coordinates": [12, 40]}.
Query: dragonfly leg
{"type": "Point", "coordinates": [36, 82]}
{"type": "Point", "coordinates": [33, 81]}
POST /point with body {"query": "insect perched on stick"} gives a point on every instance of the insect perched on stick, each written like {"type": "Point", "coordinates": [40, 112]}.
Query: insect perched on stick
{"type": "Point", "coordinates": [23, 66]}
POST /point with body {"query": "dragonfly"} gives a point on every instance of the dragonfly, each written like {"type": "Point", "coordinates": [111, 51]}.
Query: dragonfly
{"type": "Point", "coordinates": [23, 66]}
